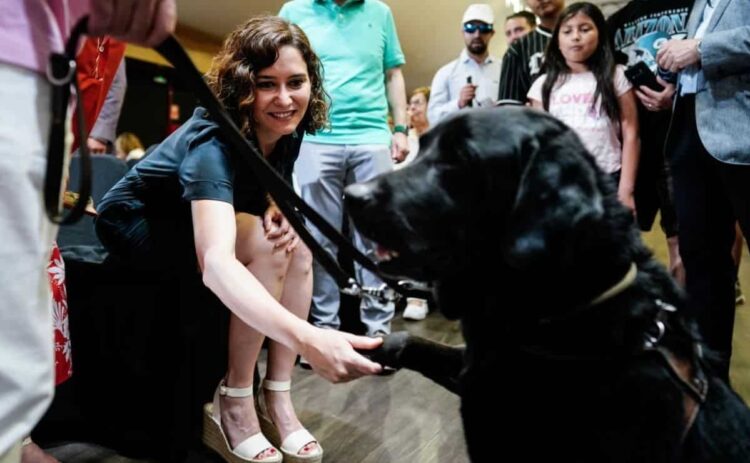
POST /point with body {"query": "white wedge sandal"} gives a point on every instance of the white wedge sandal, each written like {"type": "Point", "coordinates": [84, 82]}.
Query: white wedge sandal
{"type": "Point", "coordinates": [215, 438]}
{"type": "Point", "coordinates": [294, 442]}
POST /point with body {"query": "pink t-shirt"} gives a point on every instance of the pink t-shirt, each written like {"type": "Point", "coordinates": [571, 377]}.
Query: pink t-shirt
{"type": "Point", "coordinates": [570, 101]}
{"type": "Point", "coordinates": [32, 29]}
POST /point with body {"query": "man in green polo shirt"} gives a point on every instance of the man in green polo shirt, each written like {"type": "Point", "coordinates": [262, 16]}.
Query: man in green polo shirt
{"type": "Point", "coordinates": [357, 43]}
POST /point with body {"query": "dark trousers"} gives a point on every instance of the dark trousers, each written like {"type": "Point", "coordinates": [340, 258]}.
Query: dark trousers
{"type": "Point", "coordinates": [709, 196]}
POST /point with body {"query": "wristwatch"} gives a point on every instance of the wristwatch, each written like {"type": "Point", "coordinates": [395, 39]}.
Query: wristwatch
{"type": "Point", "coordinates": [401, 128]}
{"type": "Point", "coordinates": [699, 48]}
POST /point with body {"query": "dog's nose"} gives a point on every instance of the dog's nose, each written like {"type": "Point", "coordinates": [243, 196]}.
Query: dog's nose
{"type": "Point", "coordinates": [358, 194]}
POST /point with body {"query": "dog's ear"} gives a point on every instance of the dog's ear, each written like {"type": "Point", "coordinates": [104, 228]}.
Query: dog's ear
{"type": "Point", "coordinates": [454, 140]}
{"type": "Point", "coordinates": [557, 197]}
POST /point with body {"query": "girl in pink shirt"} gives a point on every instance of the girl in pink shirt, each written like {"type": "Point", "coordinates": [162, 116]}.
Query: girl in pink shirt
{"type": "Point", "coordinates": [584, 88]}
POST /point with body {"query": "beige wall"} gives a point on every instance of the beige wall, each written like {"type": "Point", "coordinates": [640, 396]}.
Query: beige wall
{"type": "Point", "coordinates": [200, 46]}
{"type": "Point", "coordinates": [431, 34]}
{"type": "Point", "coordinates": [429, 30]}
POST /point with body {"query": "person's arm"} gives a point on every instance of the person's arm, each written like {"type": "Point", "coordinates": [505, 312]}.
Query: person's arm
{"type": "Point", "coordinates": [726, 53]}
{"type": "Point", "coordinates": [631, 148]}
{"type": "Point", "coordinates": [331, 353]}
{"type": "Point", "coordinates": [512, 81]}
{"type": "Point", "coordinates": [440, 104]}
{"type": "Point", "coordinates": [106, 124]}
{"type": "Point", "coordinates": [722, 53]}
{"type": "Point", "coordinates": [396, 90]}
{"type": "Point", "coordinates": [534, 96]}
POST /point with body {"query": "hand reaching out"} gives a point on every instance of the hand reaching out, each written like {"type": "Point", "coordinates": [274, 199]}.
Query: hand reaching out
{"type": "Point", "coordinates": [331, 355]}
{"type": "Point", "coordinates": [144, 22]}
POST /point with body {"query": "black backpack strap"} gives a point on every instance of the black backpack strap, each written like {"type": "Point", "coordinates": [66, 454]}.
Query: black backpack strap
{"type": "Point", "coordinates": [61, 73]}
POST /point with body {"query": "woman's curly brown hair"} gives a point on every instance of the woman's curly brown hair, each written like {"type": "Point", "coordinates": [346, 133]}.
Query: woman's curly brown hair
{"type": "Point", "coordinates": [255, 46]}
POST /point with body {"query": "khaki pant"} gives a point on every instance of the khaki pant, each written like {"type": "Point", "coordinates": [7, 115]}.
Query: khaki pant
{"type": "Point", "coordinates": [26, 338]}
{"type": "Point", "coordinates": [13, 455]}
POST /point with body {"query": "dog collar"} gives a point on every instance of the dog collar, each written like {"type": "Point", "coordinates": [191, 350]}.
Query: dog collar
{"type": "Point", "coordinates": [618, 287]}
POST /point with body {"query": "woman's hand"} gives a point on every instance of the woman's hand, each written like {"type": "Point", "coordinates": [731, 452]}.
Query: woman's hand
{"type": "Point", "coordinates": [278, 230]}
{"type": "Point", "coordinates": [331, 355]}
{"type": "Point", "coordinates": [656, 101]}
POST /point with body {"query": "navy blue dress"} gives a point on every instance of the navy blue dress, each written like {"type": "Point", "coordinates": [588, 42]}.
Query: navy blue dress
{"type": "Point", "coordinates": [146, 216]}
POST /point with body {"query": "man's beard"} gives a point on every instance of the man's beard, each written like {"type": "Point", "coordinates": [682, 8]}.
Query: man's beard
{"type": "Point", "coordinates": [477, 47]}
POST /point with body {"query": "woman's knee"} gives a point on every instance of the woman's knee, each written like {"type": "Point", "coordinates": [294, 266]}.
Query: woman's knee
{"type": "Point", "coordinates": [301, 260]}
{"type": "Point", "coordinates": [273, 260]}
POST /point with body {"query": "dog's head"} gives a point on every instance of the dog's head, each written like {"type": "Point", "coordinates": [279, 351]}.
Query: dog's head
{"type": "Point", "coordinates": [512, 186]}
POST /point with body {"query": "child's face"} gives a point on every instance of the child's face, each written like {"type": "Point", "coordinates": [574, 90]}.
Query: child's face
{"type": "Point", "coordinates": [578, 38]}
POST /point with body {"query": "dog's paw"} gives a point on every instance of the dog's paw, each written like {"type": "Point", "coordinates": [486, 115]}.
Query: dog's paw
{"type": "Point", "coordinates": [389, 353]}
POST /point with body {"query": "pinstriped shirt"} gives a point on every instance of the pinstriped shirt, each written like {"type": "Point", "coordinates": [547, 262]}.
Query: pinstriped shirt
{"type": "Point", "coordinates": [522, 64]}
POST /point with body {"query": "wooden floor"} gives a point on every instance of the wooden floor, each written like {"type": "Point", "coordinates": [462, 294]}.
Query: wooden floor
{"type": "Point", "coordinates": [399, 418]}
{"type": "Point", "coordinates": [404, 417]}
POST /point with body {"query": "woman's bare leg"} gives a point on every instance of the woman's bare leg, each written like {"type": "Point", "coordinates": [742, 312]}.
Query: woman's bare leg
{"type": "Point", "coordinates": [296, 297]}
{"type": "Point", "coordinates": [269, 267]}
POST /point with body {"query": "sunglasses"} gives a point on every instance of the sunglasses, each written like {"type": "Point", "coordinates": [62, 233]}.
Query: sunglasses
{"type": "Point", "coordinates": [470, 28]}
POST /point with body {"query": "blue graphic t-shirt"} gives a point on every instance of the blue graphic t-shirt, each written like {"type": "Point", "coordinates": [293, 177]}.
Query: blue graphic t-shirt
{"type": "Point", "coordinates": [642, 26]}
{"type": "Point", "coordinates": [638, 31]}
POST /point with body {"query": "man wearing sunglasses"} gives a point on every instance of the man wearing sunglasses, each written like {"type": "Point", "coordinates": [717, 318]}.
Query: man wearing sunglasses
{"type": "Point", "coordinates": [472, 79]}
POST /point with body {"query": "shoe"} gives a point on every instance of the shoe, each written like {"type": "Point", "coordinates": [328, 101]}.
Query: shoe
{"type": "Point", "coordinates": [294, 442]}
{"type": "Point", "coordinates": [416, 309]}
{"type": "Point", "coordinates": [215, 439]}
{"type": "Point", "coordinates": [739, 298]}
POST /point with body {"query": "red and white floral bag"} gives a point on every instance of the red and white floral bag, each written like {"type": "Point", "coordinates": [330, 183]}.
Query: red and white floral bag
{"type": "Point", "coordinates": [56, 273]}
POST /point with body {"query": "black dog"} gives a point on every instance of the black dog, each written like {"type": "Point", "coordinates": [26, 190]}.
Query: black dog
{"type": "Point", "coordinates": [577, 346]}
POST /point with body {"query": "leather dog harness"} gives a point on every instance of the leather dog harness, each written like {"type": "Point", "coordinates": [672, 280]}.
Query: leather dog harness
{"type": "Point", "coordinates": [618, 287]}
{"type": "Point", "coordinates": [687, 374]}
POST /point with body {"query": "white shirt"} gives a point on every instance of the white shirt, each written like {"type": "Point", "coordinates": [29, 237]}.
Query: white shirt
{"type": "Point", "coordinates": [448, 81]}
{"type": "Point", "coordinates": [692, 78]}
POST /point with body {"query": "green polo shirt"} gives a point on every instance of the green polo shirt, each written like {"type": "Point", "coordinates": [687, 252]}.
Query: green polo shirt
{"type": "Point", "coordinates": [357, 43]}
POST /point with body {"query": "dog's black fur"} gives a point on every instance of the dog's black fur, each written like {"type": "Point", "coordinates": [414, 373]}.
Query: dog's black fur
{"type": "Point", "coordinates": [519, 230]}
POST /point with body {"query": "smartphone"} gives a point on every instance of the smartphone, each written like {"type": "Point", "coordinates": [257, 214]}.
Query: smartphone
{"type": "Point", "coordinates": [640, 75]}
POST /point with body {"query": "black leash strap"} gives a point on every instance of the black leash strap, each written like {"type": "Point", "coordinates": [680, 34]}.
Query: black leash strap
{"type": "Point", "coordinates": [286, 199]}
{"type": "Point", "coordinates": [61, 73]}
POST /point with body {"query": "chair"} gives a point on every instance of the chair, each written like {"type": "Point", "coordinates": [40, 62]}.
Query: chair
{"type": "Point", "coordinates": [79, 240]}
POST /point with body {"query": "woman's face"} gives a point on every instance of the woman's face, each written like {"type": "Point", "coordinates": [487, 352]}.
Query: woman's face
{"type": "Point", "coordinates": [578, 38]}
{"type": "Point", "coordinates": [417, 106]}
{"type": "Point", "coordinates": [282, 94]}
